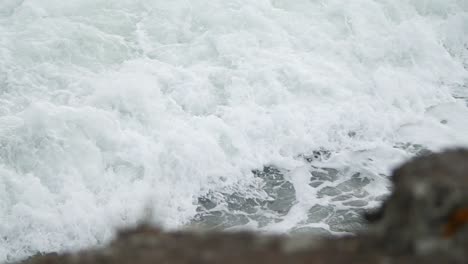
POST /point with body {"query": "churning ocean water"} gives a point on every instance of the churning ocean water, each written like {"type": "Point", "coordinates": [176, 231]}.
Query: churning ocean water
{"type": "Point", "coordinates": [272, 115]}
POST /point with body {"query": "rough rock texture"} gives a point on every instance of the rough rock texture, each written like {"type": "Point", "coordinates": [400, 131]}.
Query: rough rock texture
{"type": "Point", "coordinates": [425, 220]}
{"type": "Point", "coordinates": [428, 209]}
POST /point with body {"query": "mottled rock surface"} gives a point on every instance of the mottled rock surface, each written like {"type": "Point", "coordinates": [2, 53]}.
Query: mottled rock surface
{"type": "Point", "coordinates": [424, 220]}
{"type": "Point", "coordinates": [428, 209]}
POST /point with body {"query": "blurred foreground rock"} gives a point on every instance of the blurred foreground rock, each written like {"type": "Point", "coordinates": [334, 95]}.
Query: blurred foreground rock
{"type": "Point", "coordinates": [424, 220]}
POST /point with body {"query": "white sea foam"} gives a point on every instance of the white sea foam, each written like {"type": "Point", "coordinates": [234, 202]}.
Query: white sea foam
{"type": "Point", "coordinates": [107, 105]}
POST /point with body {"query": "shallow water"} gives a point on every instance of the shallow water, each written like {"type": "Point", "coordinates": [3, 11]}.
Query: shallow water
{"type": "Point", "coordinates": [266, 115]}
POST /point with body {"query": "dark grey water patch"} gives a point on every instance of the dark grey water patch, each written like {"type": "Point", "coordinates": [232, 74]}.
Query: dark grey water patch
{"type": "Point", "coordinates": [339, 220]}
{"type": "Point", "coordinates": [353, 187]}
{"type": "Point", "coordinates": [281, 191]}
{"type": "Point", "coordinates": [317, 155]}
{"type": "Point", "coordinates": [322, 175]}
{"type": "Point", "coordinates": [348, 198]}
{"type": "Point", "coordinates": [225, 210]}
{"type": "Point", "coordinates": [329, 191]}
{"type": "Point", "coordinates": [344, 197]}
{"type": "Point", "coordinates": [345, 189]}
{"type": "Point", "coordinates": [316, 184]}
{"type": "Point", "coordinates": [206, 203]}
{"type": "Point", "coordinates": [220, 220]}
{"type": "Point", "coordinates": [347, 220]}
{"type": "Point", "coordinates": [356, 183]}
{"type": "Point", "coordinates": [237, 202]}
{"type": "Point", "coordinates": [415, 149]}
{"type": "Point", "coordinates": [319, 213]}
{"type": "Point", "coordinates": [381, 198]}
{"type": "Point", "coordinates": [356, 203]}
{"type": "Point", "coordinates": [352, 134]}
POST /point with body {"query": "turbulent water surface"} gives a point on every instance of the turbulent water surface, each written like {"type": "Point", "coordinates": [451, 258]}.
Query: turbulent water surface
{"type": "Point", "coordinates": [273, 115]}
